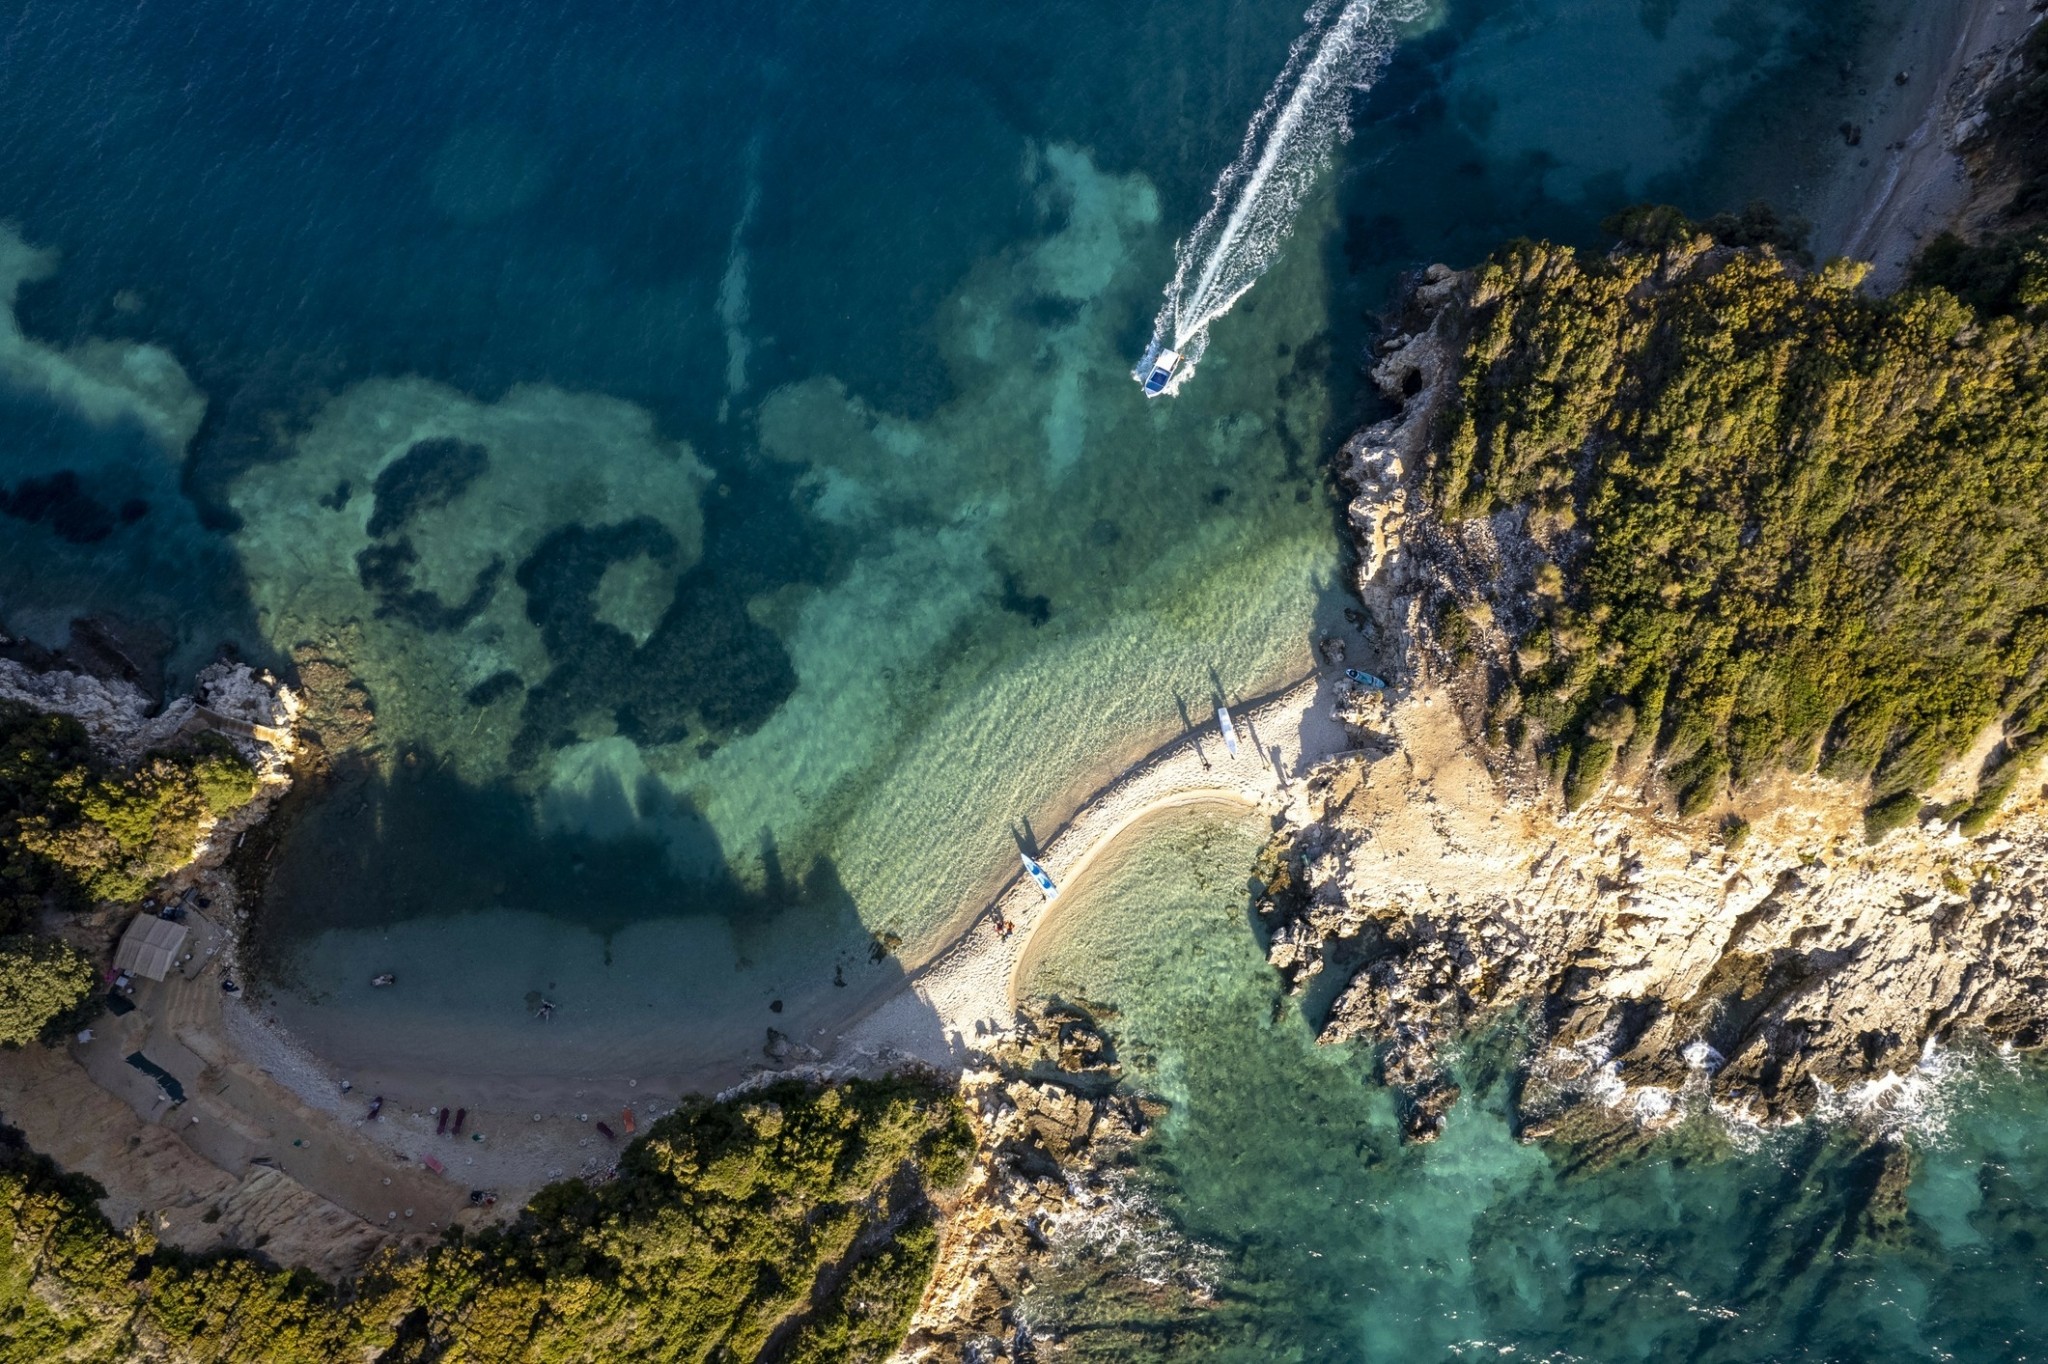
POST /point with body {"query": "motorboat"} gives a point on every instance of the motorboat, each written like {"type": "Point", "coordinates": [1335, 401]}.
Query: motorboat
{"type": "Point", "coordinates": [1229, 729]}
{"type": "Point", "coordinates": [1365, 679]}
{"type": "Point", "coordinates": [1037, 873]}
{"type": "Point", "coordinates": [384, 979]}
{"type": "Point", "coordinates": [1158, 372]}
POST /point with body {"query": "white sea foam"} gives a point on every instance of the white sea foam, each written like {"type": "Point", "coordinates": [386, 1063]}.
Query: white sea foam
{"type": "Point", "coordinates": [1916, 1104]}
{"type": "Point", "coordinates": [1285, 149]}
{"type": "Point", "coordinates": [1117, 1224]}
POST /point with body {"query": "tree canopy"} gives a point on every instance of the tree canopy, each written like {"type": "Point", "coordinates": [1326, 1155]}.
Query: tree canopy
{"type": "Point", "coordinates": [792, 1224]}
{"type": "Point", "coordinates": [1784, 523]}
{"type": "Point", "coordinates": [41, 980]}
{"type": "Point", "coordinates": [76, 830]}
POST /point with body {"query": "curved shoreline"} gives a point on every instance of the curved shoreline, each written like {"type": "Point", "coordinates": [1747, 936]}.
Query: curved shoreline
{"type": "Point", "coordinates": [934, 1015]}
{"type": "Point", "coordinates": [967, 990]}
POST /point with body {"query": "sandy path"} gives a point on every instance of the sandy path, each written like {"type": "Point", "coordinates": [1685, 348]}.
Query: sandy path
{"type": "Point", "coordinates": [967, 991]}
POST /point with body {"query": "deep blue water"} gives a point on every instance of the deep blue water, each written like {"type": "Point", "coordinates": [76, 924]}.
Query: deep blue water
{"type": "Point", "coordinates": [706, 432]}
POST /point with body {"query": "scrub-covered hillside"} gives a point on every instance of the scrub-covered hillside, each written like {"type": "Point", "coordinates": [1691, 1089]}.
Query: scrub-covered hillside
{"type": "Point", "coordinates": [1768, 521]}
{"type": "Point", "coordinates": [792, 1224]}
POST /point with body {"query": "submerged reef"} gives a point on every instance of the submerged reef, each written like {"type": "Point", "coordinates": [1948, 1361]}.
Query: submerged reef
{"type": "Point", "coordinates": [415, 533]}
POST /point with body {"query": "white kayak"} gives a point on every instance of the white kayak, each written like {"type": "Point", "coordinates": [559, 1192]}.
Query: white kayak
{"type": "Point", "coordinates": [1037, 873]}
{"type": "Point", "coordinates": [1229, 730]}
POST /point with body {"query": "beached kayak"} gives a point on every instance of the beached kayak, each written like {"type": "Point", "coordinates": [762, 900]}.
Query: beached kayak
{"type": "Point", "coordinates": [1037, 873]}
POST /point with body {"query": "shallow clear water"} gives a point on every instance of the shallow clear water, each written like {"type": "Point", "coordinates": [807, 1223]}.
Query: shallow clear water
{"type": "Point", "coordinates": [708, 436]}
{"type": "Point", "coordinates": [1328, 1240]}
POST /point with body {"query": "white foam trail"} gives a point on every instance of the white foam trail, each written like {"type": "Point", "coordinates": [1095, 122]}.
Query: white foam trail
{"type": "Point", "coordinates": [1286, 147]}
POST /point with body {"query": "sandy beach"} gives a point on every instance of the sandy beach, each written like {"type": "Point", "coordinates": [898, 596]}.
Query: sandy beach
{"type": "Point", "coordinates": [933, 1016]}
{"type": "Point", "coordinates": [968, 991]}
{"type": "Point", "coordinates": [290, 1134]}
{"type": "Point", "coordinates": [269, 1114]}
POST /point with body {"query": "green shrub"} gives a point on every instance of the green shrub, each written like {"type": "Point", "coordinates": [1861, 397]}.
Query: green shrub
{"type": "Point", "coordinates": [1591, 758]}
{"type": "Point", "coordinates": [72, 828]}
{"type": "Point", "coordinates": [1810, 526]}
{"type": "Point", "coordinates": [793, 1215]}
{"type": "Point", "coordinates": [1893, 812]}
{"type": "Point", "coordinates": [42, 981]}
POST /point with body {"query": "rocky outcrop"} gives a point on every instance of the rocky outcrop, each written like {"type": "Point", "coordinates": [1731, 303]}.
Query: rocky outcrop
{"type": "Point", "coordinates": [1658, 970]}
{"type": "Point", "coordinates": [1761, 961]}
{"type": "Point", "coordinates": [250, 709]}
{"type": "Point", "coordinates": [1050, 1125]}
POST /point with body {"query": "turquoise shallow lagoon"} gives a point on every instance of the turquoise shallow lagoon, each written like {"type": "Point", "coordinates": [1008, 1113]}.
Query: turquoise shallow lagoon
{"type": "Point", "coordinates": [707, 434]}
{"type": "Point", "coordinates": [1279, 1166]}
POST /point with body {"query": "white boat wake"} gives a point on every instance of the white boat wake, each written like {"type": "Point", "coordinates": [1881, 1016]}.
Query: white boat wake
{"type": "Point", "coordinates": [1254, 203]}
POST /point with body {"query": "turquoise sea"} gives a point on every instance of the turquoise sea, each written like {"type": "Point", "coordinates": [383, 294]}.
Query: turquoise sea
{"type": "Point", "coordinates": [707, 434]}
{"type": "Point", "coordinates": [1277, 1180]}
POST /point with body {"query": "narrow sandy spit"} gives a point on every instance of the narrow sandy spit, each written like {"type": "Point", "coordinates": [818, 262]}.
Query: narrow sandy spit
{"type": "Point", "coordinates": [968, 990]}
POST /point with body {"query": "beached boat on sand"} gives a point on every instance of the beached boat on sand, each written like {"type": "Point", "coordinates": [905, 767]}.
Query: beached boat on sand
{"type": "Point", "coordinates": [1229, 730]}
{"type": "Point", "coordinates": [1037, 873]}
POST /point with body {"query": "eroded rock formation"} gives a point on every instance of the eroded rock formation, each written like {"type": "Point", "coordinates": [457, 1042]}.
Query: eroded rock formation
{"type": "Point", "coordinates": [1050, 1124]}
{"type": "Point", "coordinates": [1761, 959]}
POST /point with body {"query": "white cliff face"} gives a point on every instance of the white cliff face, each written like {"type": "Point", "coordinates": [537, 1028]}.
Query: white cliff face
{"type": "Point", "coordinates": [1659, 964]}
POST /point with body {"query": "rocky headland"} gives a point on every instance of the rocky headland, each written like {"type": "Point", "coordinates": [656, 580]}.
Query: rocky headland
{"type": "Point", "coordinates": [1771, 941]}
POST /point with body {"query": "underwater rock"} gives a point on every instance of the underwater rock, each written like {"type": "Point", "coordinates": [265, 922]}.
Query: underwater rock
{"type": "Point", "coordinates": [339, 715]}
{"type": "Point", "coordinates": [430, 474]}
{"type": "Point", "coordinates": [61, 501]}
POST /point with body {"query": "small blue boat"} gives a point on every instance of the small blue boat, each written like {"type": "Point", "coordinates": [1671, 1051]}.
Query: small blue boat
{"type": "Point", "coordinates": [1156, 371]}
{"type": "Point", "coordinates": [1037, 873]}
{"type": "Point", "coordinates": [1366, 679]}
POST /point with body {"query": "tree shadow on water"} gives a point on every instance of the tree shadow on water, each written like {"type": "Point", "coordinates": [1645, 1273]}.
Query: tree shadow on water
{"type": "Point", "coordinates": [372, 849]}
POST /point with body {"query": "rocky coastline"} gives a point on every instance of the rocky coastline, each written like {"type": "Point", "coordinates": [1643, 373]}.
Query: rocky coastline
{"type": "Point", "coordinates": [1761, 962]}
{"type": "Point", "coordinates": [1052, 1126]}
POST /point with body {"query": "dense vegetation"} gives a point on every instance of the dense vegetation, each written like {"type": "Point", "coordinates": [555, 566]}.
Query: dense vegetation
{"type": "Point", "coordinates": [42, 980]}
{"type": "Point", "coordinates": [791, 1224]}
{"type": "Point", "coordinates": [74, 832]}
{"type": "Point", "coordinates": [1785, 524]}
